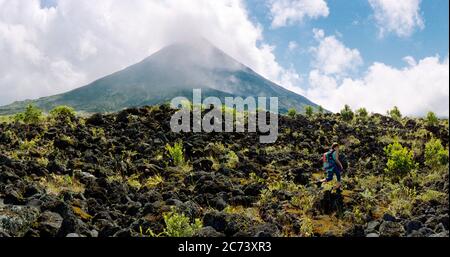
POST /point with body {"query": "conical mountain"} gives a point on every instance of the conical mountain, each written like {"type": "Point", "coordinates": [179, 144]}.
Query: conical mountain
{"type": "Point", "coordinates": [173, 71]}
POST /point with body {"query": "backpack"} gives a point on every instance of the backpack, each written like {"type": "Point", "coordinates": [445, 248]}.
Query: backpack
{"type": "Point", "coordinates": [328, 160]}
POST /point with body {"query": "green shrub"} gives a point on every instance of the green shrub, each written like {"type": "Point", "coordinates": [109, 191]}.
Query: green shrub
{"type": "Point", "coordinates": [176, 153]}
{"type": "Point", "coordinates": [6, 119]}
{"type": "Point", "coordinates": [395, 113]}
{"type": "Point", "coordinates": [178, 225]}
{"type": "Point", "coordinates": [232, 160]}
{"type": "Point", "coordinates": [432, 119]}
{"type": "Point", "coordinates": [400, 160]}
{"type": "Point", "coordinates": [27, 145]}
{"type": "Point", "coordinates": [347, 113]}
{"type": "Point", "coordinates": [133, 182]}
{"type": "Point", "coordinates": [362, 113]}
{"type": "Point", "coordinates": [292, 113]}
{"type": "Point", "coordinates": [153, 181]}
{"type": "Point", "coordinates": [435, 154]}
{"type": "Point", "coordinates": [31, 115]}
{"type": "Point", "coordinates": [306, 227]}
{"type": "Point", "coordinates": [63, 112]}
{"type": "Point", "coordinates": [304, 200]}
{"type": "Point", "coordinates": [309, 111]}
{"type": "Point", "coordinates": [320, 109]}
{"type": "Point", "coordinates": [402, 201]}
{"type": "Point", "coordinates": [431, 195]}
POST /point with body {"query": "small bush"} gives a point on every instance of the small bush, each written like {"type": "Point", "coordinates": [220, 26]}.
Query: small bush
{"type": "Point", "coordinates": [432, 119]}
{"type": "Point", "coordinates": [154, 181]}
{"type": "Point", "coordinates": [402, 201]}
{"type": "Point", "coordinates": [320, 109]}
{"type": "Point", "coordinates": [347, 113]}
{"type": "Point", "coordinates": [309, 111]}
{"type": "Point", "coordinates": [435, 154]}
{"type": "Point", "coordinates": [400, 160]}
{"type": "Point", "coordinates": [395, 113]}
{"type": "Point", "coordinates": [232, 160]}
{"type": "Point", "coordinates": [304, 200]}
{"type": "Point", "coordinates": [292, 113]}
{"type": "Point", "coordinates": [133, 182]}
{"type": "Point", "coordinates": [6, 119]}
{"type": "Point", "coordinates": [31, 115]}
{"type": "Point", "coordinates": [178, 225]}
{"type": "Point", "coordinates": [28, 145]}
{"type": "Point", "coordinates": [306, 227]}
{"type": "Point", "coordinates": [362, 113]}
{"type": "Point", "coordinates": [63, 112]}
{"type": "Point", "coordinates": [431, 195]}
{"type": "Point", "coordinates": [176, 153]}
{"type": "Point", "coordinates": [368, 199]}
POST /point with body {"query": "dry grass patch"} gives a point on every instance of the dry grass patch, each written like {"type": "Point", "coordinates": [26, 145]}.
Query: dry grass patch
{"type": "Point", "coordinates": [55, 184]}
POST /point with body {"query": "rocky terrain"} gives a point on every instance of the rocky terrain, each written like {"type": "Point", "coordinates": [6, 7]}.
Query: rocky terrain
{"type": "Point", "coordinates": [127, 175]}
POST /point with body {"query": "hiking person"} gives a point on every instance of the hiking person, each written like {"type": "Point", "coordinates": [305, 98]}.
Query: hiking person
{"type": "Point", "coordinates": [332, 165]}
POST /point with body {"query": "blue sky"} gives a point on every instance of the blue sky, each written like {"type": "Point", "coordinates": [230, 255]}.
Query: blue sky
{"type": "Point", "coordinates": [354, 22]}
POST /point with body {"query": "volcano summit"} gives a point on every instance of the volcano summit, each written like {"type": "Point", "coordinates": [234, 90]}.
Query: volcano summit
{"type": "Point", "coordinates": [171, 72]}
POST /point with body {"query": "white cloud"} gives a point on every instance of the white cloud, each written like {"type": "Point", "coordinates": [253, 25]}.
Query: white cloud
{"type": "Point", "coordinates": [292, 45]}
{"type": "Point", "coordinates": [416, 89]}
{"type": "Point", "coordinates": [410, 60]}
{"type": "Point", "coordinates": [399, 17]}
{"type": "Point", "coordinates": [288, 12]}
{"type": "Point", "coordinates": [45, 51]}
{"type": "Point", "coordinates": [332, 57]}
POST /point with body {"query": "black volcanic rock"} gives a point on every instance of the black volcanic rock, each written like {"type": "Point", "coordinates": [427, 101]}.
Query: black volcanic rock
{"type": "Point", "coordinates": [111, 175]}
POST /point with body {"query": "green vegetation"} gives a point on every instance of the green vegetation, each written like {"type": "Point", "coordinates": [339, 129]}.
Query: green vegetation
{"type": "Point", "coordinates": [400, 160]}
{"type": "Point", "coordinates": [133, 182]}
{"type": "Point", "coordinates": [395, 113]}
{"type": "Point", "coordinates": [232, 160]}
{"type": "Point", "coordinates": [306, 227]}
{"type": "Point", "coordinates": [402, 200]}
{"type": "Point", "coordinates": [309, 111]}
{"type": "Point", "coordinates": [153, 181]}
{"type": "Point", "coordinates": [347, 113]}
{"type": "Point", "coordinates": [63, 112]}
{"type": "Point", "coordinates": [178, 225]}
{"type": "Point", "coordinates": [32, 115]}
{"type": "Point", "coordinates": [304, 200]}
{"type": "Point", "coordinates": [320, 110]}
{"type": "Point", "coordinates": [176, 153]}
{"type": "Point", "coordinates": [432, 195]}
{"type": "Point", "coordinates": [362, 113]}
{"type": "Point", "coordinates": [432, 119]}
{"type": "Point", "coordinates": [435, 154]}
{"type": "Point", "coordinates": [292, 113]}
{"type": "Point", "coordinates": [56, 184]}
{"type": "Point", "coordinates": [6, 119]}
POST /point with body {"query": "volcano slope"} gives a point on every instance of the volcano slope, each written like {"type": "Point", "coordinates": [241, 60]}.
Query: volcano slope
{"type": "Point", "coordinates": [114, 175]}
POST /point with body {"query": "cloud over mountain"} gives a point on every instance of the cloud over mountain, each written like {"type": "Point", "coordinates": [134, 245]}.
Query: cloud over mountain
{"type": "Point", "coordinates": [52, 48]}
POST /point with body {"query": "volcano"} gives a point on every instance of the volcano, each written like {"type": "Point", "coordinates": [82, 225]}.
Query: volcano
{"type": "Point", "coordinates": [173, 71]}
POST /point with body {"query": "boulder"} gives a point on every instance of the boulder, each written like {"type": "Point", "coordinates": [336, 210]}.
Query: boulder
{"type": "Point", "coordinates": [391, 229]}
{"type": "Point", "coordinates": [216, 220]}
{"type": "Point", "coordinates": [372, 235]}
{"type": "Point", "coordinates": [389, 217]}
{"type": "Point", "coordinates": [208, 232]}
{"type": "Point", "coordinates": [15, 220]}
{"type": "Point", "coordinates": [372, 226]}
{"type": "Point", "coordinates": [49, 224]}
{"type": "Point", "coordinates": [413, 225]}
